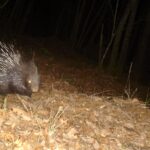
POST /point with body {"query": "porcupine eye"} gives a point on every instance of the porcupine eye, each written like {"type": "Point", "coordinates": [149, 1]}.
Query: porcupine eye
{"type": "Point", "coordinates": [29, 81]}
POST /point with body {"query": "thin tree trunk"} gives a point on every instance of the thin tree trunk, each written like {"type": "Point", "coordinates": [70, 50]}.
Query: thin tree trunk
{"type": "Point", "coordinates": [143, 54]}
{"type": "Point", "coordinates": [85, 25]}
{"type": "Point", "coordinates": [127, 37]}
{"type": "Point", "coordinates": [117, 41]}
{"type": "Point", "coordinates": [75, 30]}
{"type": "Point", "coordinates": [112, 35]}
{"type": "Point", "coordinates": [14, 18]}
{"type": "Point", "coordinates": [2, 5]}
{"type": "Point", "coordinates": [101, 44]}
{"type": "Point", "coordinates": [88, 26]}
{"type": "Point", "coordinates": [26, 16]}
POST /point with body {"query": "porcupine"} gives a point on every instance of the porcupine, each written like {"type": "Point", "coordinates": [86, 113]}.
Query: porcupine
{"type": "Point", "coordinates": [17, 76]}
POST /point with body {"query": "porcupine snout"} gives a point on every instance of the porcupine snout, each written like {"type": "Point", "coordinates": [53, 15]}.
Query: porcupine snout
{"type": "Point", "coordinates": [33, 78]}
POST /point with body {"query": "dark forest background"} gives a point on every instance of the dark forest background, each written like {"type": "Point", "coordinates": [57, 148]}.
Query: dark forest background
{"type": "Point", "coordinates": [113, 33]}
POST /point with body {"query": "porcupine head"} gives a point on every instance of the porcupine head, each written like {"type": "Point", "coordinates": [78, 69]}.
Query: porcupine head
{"type": "Point", "coordinates": [16, 75]}
{"type": "Point", "coordinates": [32, 75]}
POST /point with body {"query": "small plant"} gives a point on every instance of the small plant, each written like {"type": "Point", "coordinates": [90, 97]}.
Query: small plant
{"type": "Point", "coordinates": [54, 120]}
{"type": "Point", "coordinates": [128, 91]}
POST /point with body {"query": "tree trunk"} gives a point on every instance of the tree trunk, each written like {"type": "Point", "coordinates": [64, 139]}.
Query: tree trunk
{"type": "Point", "coordinates": [26, 16]}
{"type": "Point", "coordinates": [77, 21]}
{"type": "Point", "coordinates": [118, 37]}
{"type": "Point", "coordinates": [15, 16]}
{"type": "Point", "coordinates": [125, 48]}
{"type": "Point", "coordinates": [142, 58]}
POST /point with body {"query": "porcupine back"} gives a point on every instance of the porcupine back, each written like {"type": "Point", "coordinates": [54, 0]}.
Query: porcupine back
{"type": "Point", "coordinates": [16, 75]}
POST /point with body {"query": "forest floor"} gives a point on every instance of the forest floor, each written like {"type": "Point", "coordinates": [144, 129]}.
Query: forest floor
{"type": "Point", "coordinates": [76, 108]}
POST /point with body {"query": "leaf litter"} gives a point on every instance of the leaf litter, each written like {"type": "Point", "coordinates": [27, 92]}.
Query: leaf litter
{"type": "Point", "coordinates": [77, 108]}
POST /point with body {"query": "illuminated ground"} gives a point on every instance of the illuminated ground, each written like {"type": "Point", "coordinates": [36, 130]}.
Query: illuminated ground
{"type": "Point", "coordinates": [77, 108]}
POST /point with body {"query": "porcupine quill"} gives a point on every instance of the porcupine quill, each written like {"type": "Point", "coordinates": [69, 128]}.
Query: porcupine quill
{"type": "Point", "coordinates": [16, 75]}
